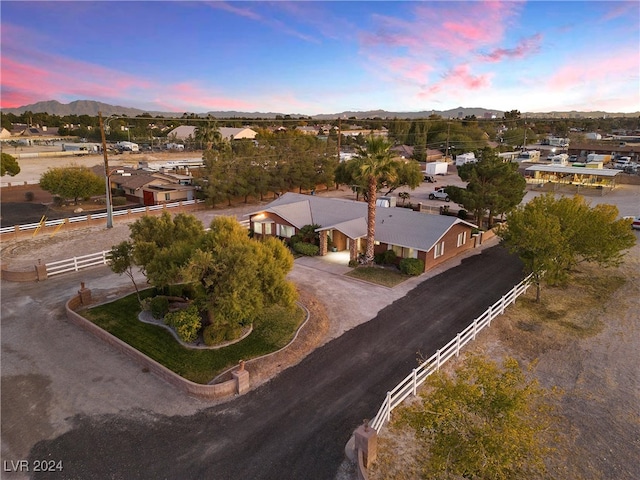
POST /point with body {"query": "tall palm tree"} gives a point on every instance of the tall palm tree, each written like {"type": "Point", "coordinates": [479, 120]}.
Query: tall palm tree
{"type": "Point", "coordinates": [376, 165]}
{"type": "Point", "coordinates": [208, 134]}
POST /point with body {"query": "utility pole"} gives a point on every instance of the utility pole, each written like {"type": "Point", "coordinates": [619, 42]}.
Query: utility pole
{"type": "Point", "coordinates": [446, 154]}
{"type": "Point", "coordinates": [106, 174]}
{"type": "Point", "coordinates": [339, 136]}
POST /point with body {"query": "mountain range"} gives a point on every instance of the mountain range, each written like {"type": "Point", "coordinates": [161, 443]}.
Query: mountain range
{"type": "Point", "coordinates": [91, 108]}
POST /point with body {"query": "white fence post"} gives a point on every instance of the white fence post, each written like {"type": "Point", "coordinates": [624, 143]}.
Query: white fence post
{"type": "Point", "coordinates": [475, 328]}
{"type": "Point", "coordinates": [490, 311]}
{"type": "Point", "coordinates": [502, 305]}
{"type": "Point", "coordinates": [458, 344]}
{"type": "Point", "coordinates": [388, 415]}
{"type": "Point", "coordinates": [438, 359]}
{"type": "Point", "coordinates": [415, 381]}
{"type": "Point", "coordinates": [75, 263]}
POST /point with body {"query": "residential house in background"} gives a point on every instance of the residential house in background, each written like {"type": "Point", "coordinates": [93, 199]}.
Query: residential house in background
{"type": "Point", "coordinates": [150, 188]}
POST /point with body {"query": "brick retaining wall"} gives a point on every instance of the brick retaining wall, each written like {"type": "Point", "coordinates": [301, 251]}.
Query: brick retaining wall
{"type": "Point", "coordinates": [219, 390]}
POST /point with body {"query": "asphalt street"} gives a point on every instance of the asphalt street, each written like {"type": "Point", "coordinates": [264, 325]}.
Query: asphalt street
{"type": "Point", "coordinates": [293, 427]}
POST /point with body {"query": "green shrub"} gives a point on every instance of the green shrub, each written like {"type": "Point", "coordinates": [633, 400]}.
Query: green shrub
{"type": "Point", "coordinates": [159, 306]}
{"type": "Point", "coordinates": [388, 257]}
{"type": "Point", "coordinates": [213, 334]}
{"type": "Point", "coordinates": [216, 334]}
{"type": "Point", "coordinates": [411, 266]}
{"type": "Point", "coordinates": [306, 249]}
{"type": "Point", "coordinates": [462, 214]}
{"type": "Point", "coordinates": [294, 239]}
{"type": "Point", "coordinates": [57, 201]}
{"type": "Point", "coordinates": [116, 201]}
{"type": "Point", "coordinates": [186, 322]}
{"type": "Point", "coordinates": [353, 263]}
{"type": "Point", "coordinates": [118, 192]}
{"type": "Point", "coordinates": [29, 196]}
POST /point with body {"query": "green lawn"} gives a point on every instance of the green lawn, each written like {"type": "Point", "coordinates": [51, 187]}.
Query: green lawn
{"type": "Point", "coordinates": [382, 276]}
{"type": "Point", "coordinates": [120, 318]}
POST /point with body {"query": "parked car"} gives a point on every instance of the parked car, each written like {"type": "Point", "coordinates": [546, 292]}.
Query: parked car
{"type": "Point", "coordinates": [439, 194]}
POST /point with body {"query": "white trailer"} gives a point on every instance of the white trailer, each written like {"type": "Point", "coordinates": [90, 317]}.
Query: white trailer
{"type": "Point", "coordinates": [436, 168]}
{"type": "Point", "coordinates": [128, 146]}
{"type": "Point", "coordinates": [465, 158]}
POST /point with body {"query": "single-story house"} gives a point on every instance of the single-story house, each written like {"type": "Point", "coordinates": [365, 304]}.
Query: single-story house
{"type": "Point", "coordinates": [343, 224]}
{"type": "Point", "coordinates": [183, 132]}
{"type": "Point", "coordinates": [149, 188]}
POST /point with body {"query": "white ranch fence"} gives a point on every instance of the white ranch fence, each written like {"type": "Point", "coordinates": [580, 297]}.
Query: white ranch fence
{"type": "Point", "coordinates": [94, 216]}
{"type": "Point", "coordinates": [76, 264]}
{"type": "Point", "coordinates": [417, 377]}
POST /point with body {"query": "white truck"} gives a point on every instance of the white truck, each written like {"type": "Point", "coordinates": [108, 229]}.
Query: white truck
{"type": "Point", "coordinates": [439, 194]}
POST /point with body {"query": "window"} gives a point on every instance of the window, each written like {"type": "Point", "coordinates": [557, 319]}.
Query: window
{"type": "Point", "coordinates": [439, 250]}
{"type": "Point", "coordinates": [167, 197]}
{"type": "Point", "coordinates": [404, 252]}
{"type": "Point", "coordinates": [286, 231]}
{"type": "Point", "coordinates": [462, 238]}
{"type": "Point", "coordinates": [262, 228]}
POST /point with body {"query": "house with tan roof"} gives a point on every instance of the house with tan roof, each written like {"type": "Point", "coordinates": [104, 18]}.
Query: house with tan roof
{"type": "Point", "coordinates": [431, 238]}
{"type": "Point", "coordinates": [185, 132]}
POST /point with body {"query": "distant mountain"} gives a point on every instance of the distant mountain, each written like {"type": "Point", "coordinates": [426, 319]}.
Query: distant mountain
{"type": "Point", "coordinates": [459, 112]}
{"type": "Point", "coordinates": [90, 107]}
{"type": "Point", "coordinates": [79, 107]}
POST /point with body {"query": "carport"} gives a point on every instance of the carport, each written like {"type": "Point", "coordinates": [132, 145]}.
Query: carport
{"type": "Point", "coordinates": [558, 175]}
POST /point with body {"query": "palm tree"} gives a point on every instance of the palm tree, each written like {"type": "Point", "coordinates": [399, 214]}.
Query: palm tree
{"type": "Point", "coordinates": [376, 165]}
{"type": "Point", "coordinates": [208, 134]}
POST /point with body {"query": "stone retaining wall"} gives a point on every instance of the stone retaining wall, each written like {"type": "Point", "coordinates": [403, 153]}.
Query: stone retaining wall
{"type": "Point", "coordinates": [238, 385]}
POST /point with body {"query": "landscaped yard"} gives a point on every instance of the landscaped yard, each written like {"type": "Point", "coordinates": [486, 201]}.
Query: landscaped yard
{"type": "Point", "coordinates": [120, 318]}
{"type": "Point", "coordinates": [381, 275]}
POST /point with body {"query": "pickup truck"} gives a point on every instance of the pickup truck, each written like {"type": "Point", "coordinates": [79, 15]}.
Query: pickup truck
{"type": "Point", "coordinates": [439, 194]}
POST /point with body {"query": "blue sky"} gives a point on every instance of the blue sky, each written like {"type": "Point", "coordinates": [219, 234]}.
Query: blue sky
{"type": "Point", "coordinates": [323, 57]}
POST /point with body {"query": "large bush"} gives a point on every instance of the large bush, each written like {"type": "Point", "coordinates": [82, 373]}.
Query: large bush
{"type": "Point", "coordinates": [159, 306]}
{"type": "Point", "coordinates": [388, 257]}
{"type": "Point", "coordinates": [306, 249]}
{"type": "Point", "coordinates": [411, 266]}
{"type": "Point", "coordinates": [215, 334]}
{"type": "Point", "coordinates": [186, 323]}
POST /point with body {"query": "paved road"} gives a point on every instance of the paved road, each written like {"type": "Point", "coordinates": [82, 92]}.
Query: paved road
{"type": "Point", "coordinates": [294, 427]}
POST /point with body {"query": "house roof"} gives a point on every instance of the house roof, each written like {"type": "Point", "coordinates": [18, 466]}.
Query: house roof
{"type": "Point", "coordinates": [602, 172]}
{"type": "Point", "coordinates": [185, 131]}
{"type": "Point", "coordinates": [394, 226]}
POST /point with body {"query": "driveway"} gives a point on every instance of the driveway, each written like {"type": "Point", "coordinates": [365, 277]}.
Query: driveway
{"type": "Point", "coordinates": [66, 396]}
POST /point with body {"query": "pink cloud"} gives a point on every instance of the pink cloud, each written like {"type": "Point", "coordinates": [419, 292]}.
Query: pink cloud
{"type": "Point", "coordinates": [189, 94]}
{"type": "Point", "coordinates": [252, 14]}
{"type": "Point", "coordinates": [430, 31]}
{"type": "Point", "coordinates": [456, 82]}
{"type": "Point", "coordinates": [526, 47]}
{"type": "Point", "coordinates": [619, 9]}
{"type": "Point", "coordinates": [607, 67]}
{"type": "Point", "coordinates": [46, 76]}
